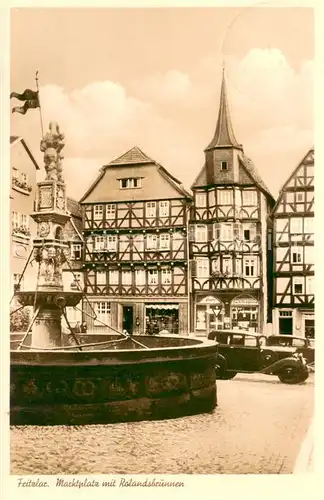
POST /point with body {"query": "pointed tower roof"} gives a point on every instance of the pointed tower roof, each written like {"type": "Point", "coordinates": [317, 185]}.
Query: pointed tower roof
{"type": "Point", "coordinates": [224, 133]}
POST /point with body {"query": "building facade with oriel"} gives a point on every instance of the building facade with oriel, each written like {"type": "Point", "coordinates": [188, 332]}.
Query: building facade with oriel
{"type": "Point", "coordinates": [135, 221]}
{"type": "Point", "coordinates": [293, 247]}
{"type": "Point", "coordinates": [22, 197]}
{"type": "Point", "coordinates": [228, 236]}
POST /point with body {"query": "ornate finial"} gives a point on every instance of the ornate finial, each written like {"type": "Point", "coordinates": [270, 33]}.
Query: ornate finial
{"type": "Point", "coordinates": [51, 145]}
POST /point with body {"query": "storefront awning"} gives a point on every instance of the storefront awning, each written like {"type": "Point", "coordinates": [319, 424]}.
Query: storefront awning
{"type": "Point", "coordinates": [162, 306]}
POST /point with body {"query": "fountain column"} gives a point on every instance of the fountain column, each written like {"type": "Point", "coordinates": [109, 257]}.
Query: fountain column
{"type": "Point", "coordinates": [50, 249]}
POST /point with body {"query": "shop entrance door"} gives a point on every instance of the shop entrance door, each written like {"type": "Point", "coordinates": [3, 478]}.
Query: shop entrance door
{"type": "Point", "coordinates": [285, 326]}
{"type": "Point", "coordinates": [128, 319]}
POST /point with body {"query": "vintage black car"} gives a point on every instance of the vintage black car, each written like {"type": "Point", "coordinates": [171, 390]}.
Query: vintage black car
{"type": "Point", "coordinates": [247, 353]}
{"type": "Point", "coordinates": [300, 344]}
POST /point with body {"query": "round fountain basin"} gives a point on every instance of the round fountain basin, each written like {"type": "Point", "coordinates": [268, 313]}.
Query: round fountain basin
{"type": "Point", "coordinates": [120, 382]}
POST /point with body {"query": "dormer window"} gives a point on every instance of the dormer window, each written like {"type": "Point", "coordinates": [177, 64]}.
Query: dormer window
{"type": "Point", "coordinates": [130, 183]}
{"type": "Point", "coordinates": [224, 165]}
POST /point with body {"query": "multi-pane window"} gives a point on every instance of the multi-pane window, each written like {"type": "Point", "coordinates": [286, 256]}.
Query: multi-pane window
{"type": "Point", "coordinates": [309, 285]}
{"type": "Point", "coordinates": [112, 243]}
{"type": "Point", "coordinates": [227, 265]}
{"type": "Point", "coordinates": [76, 251]}
{"type": "Point", "coordinates": [296, 225]}
{"type": "Point", "coordinates": [123, 243]}
{"type": "Point", "coordinates": [151, 242]}
{"type": "Point", "coordinates": [97, 212]}
{"type": "Point", "coordinates": [103, 312]}
{"type": "Point", "coordinates": [24, 178]}
{"type": "Point", "coordinates": [164, 242]}
{"type": "Point", "coordinates": [201, 233]}
{"type": "Point", "coordinates": [150, 209]}
{"type": "Point", "coordinates": [113, 277]}
{"type": "Point", "coordinates": [249, 198]}
{"type": "Point", "coordinates": [166, 276]}
{"type": "Point", "coordinates": [308, 225]}
{"type": "Point", "coordinates": [100, 243]}
{"type": "Point", "coordinates": [24, 220]}
{"type": "Point", "coordinates": [126, 277]}
{"type": "Point", "coordinates": [226, 233]}
{"type": "Point", "coordinates": [298, 285]}
{"type": "Point", "coordinates": [249, 232]}
{"type": "Point", "coordinates": [296, 255]}
{"type": "Point", "coordinates": [250, 266]}
{"type": "Point", "coordinates": [110, 211]}
{"type": "Point", "coordinates": [130, 183]}
{"type": "Point", "coordinates": [164, 208]}
{"type": "Point", "coordinates": [140, 277]}
{"type": "Point", "coordinates": [202, 268]}
{"type": "Point", "coordinates": [152, 277]}
{"type": "Point", "coordinates": [15, 219]}
{"type": "Point", "coordinates": [101, 277]}
{"type": "Point", "coordinates": [225, 196]}
{"type": "Point", "coordinates": [200, 200]}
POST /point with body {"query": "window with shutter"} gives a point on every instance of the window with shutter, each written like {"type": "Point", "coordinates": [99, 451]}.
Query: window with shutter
{"type": "Point", "coordinates": [101, 278]}
{"type": "Point", "coordinates": [113, 277]}
{"type": "Point", "coordinates": [202, 268]}
{"type": "Point", "coordinates": [140, 277]}
{"type": "Point", "coordinates": [216, 231]}
{"type": "Point", "coordinates": [201, 233]}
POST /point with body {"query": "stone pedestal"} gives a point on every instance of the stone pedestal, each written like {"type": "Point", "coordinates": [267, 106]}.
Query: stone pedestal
{"type": "Point", "coordinates": [47, 330]}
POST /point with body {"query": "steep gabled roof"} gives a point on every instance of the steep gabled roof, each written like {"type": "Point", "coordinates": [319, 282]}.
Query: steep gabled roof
{"type": "Point", "coordinates": [133, 156]}
{"type": "Point", "coordinates": [136, 157]}
{"type": "Point", "coordinates": [309, 157]}
{"type": "Point", "coordinates": [74, 207]}
{"type": "Point", "coordinates": [224, 134]}
{"type": "Point", "coordinates": [14, 139]}
{"type": "Point", "coordinates": [248, 165]}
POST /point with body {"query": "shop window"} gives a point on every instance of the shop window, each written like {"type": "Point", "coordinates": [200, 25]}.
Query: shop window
{"type": "Point", "coordinates": [201, 318]}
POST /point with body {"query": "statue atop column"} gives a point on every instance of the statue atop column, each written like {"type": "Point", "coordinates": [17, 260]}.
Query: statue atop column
{"type": "Point", "coordinates": [51, 145]}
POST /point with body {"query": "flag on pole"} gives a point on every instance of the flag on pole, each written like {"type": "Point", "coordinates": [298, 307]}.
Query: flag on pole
{"type": "Point", "coordinates": [31, 101]}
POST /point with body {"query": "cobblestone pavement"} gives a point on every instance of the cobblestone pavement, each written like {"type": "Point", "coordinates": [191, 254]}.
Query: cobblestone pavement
{"type": "Point", "coordinates": [257, 428]}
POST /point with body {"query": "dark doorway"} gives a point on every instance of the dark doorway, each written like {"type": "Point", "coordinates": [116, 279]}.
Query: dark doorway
{"type": "Point", "coordinates": [285, 326]}
{"type": "Point", "coordinates": [128, 319]}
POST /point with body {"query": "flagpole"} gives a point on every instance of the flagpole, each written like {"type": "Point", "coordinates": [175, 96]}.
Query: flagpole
{"type": "Point", "coordinates": [40, 109]}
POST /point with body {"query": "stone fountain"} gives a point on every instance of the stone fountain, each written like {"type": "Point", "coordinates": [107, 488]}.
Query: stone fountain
{"type": "Point", "coordinates": [121, 379]}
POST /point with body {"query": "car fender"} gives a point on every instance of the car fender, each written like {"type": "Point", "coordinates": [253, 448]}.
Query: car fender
{"type": "Point", "coordinates": [284, 363]}
{"type": "Point", "coordinates": [221, 363]}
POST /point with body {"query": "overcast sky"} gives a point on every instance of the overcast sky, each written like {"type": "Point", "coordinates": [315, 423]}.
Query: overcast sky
{"type": "Point", "coordinates": [115, 78]}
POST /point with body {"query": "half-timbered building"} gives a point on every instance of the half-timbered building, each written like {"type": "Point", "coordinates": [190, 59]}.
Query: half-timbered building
{"type": "Point", "coordinates": [135, 222]}
{"type": "Point", "coordinates": [228, 236]}
{"type": "Point", "coordinates": [293, 243]}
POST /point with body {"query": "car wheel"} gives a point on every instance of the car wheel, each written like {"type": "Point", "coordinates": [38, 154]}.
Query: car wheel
{"type": "Point", "coordinates": [227, 375]}
{"type": "Point", "coordinates": [292, 375]}
{"type": "Point", "coordinates": [268, 357]}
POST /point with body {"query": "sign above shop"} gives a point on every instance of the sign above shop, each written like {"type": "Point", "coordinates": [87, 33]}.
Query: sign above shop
{"type": "Point", "coordinates": [210, 300]}
{"type": "Point", "coordinates": [244, 301]}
